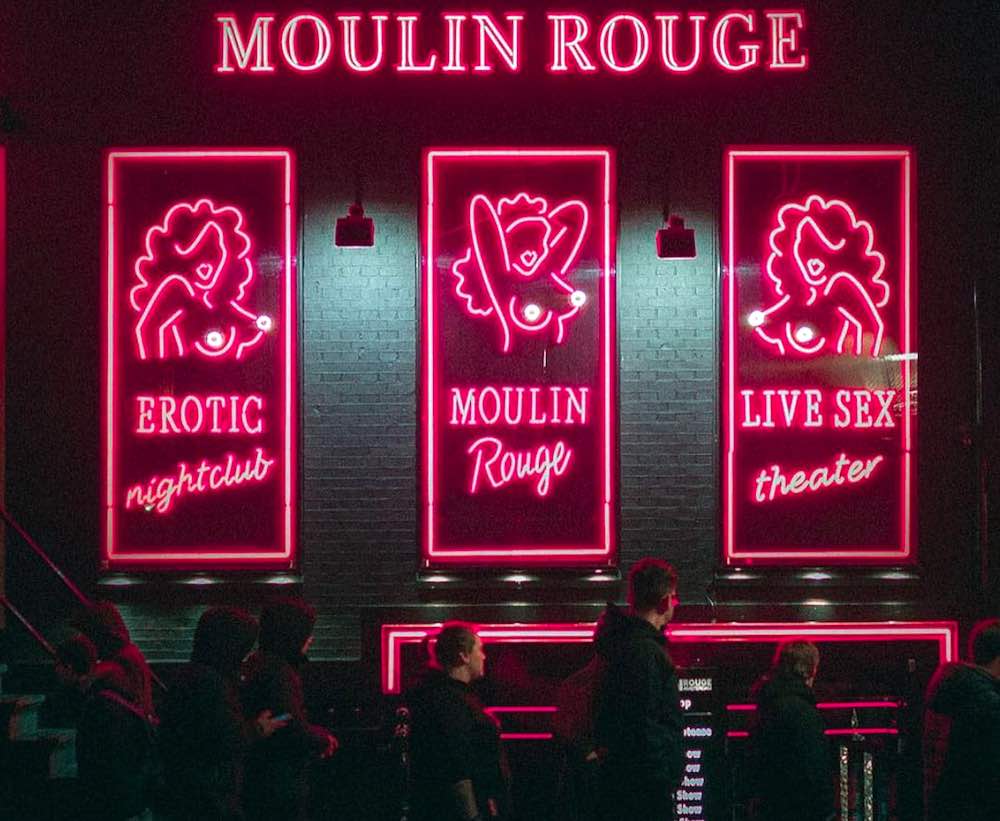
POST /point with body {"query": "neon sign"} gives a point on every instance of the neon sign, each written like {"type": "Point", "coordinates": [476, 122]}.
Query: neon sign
{"type": "Point", "coordinates": [480, 43]}
{"type": "Point", "coordinates": [199, 358]}
{"type": "Point", "coordinates": [943, 634]}
{"type": "Point", "coordinates": [819, 356]}
{"type": "Point", "coordinates": [518, 357]}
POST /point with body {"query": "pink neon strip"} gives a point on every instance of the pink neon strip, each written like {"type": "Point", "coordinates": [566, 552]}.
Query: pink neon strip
{"type": "Point", "coordinates": [944, 633]}
{"type": "Point", "coordinates": [526, 709]}
{"type": "Point", "coordinates": [526, 736]}
{"type": "Point", "coordinates": [195, 554]}
{"type": "Point", "coordinates": [858, 731]}
{"type": "Point", "coordinates": [828, 705]}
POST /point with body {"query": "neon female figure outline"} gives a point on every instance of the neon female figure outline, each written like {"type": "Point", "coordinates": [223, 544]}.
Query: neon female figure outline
{"type": "Point", "coordinates": [193, 278]}
{"type": "Point", "coordinates": [516, 267]}
{"type": "Point", "coordinates": [826, 277]}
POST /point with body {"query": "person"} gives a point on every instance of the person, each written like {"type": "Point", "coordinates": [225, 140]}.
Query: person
{"type": "Point", "coordinates": [116, 735]}
{"type": "Point", "coordinates": [75, 660]}
{"type": "Point", "coordinates": [118, 657]}
{"type": "Point", "coordinates": [458, 771]}
{"type": "Point", "coordinates": [788, 755]}
{"type": "Point", "coordinates": [962, 733]}
{"type": "Point", "coordinates": [637, 714]}
{"type": "Point", "coordinates": [203, 734]}
{"type": "Point", "coordinates": [277, 771]}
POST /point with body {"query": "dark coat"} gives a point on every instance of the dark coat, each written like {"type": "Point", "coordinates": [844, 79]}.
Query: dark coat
{"type": "Point", "coordinates": [962, 744]}
{"type": "Point", "coordinates": [452, 739]}
{"type": "Point", "coordinates": [638, 720]}
{"type": "Point", "coordinates": [115, 750]}
{"type": "Point", "coordinates": [203, 739]}
{"type": "Point", "coordinates": [277, 768]}
{"type": "Point", "coordinates": [789, 755]}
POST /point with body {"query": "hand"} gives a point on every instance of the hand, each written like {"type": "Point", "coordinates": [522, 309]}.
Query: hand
{"type": "Point", "coordinates": [266, 724]}
{"type": "Point", "coordinates": [332, 745]}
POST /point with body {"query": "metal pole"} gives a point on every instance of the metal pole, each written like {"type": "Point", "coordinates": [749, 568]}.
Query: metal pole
{"type": "Point", "coordinates": [35, 633]}
{"type": "Point", "coordinates": [44, 556]}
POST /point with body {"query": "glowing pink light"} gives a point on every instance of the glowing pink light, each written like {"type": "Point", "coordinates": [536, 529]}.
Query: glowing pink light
{"type": "Point", "coordinates": [498, 465]}
{"type": "Point", "coordinates": [200, 277]}
{"type": "Point", "coordinates": [113, 550]}
{"type": "Point", "coordinates": [165, 414]}
{"type": "Point", "coordinates": [943, 633]}
{"type": "Point", "coordinates": [721, 42]}
{"type": "Point", "coordinates": [828, 705]}
{"type": "Point", "coordinates": [556, 238]}
{"type": "Point", "coordinates": [776, 481]}
{"type": "Point", "coordinates": [903, 550]}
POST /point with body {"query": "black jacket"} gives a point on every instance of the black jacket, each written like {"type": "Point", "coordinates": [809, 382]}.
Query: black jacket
{"type": "Point", "coordinates": [452, 740]}
{"type": "Point", "coordinates": [637, 707]}
{"type": "Point", "coordinates": [277, 775]}
{"type": "Point", "coordinates": [789, 756]}
{"type": "Point", "coordinates": [962, 744]}
{"type": "Point", "coordinates": [203, 739]}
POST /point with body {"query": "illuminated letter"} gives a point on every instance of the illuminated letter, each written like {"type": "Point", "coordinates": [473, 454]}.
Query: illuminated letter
{"type": "Point", "coordinates": [561, 44]}
{"type": "Point", "coordinates": [350, 24]}
{"type": "Point", "coordinates": [785, 40]}
{"type": "Point", "coordinates": [324, 42]}
{"type": "Point", "coordinates": [509, 417]}
{"type": "Point", "coordinates": [258, 402]}
{"type": "Point", "coordinates": [668, 41]}
{"type": "Point", "coordinates": [489, 418]}
{"type": "Point", "coordinates": [455, 23]}
{"type": "Point", "coordinates": [406, 43]}
{"type": "Point", "coordinates": [607, 46]}
{"type": "Point", "coordinates": [144, 415]}
{"type": "Point", "coordinates": [195, 425]}
{"type": "Point", "coordinates": [508, 48]}
{"type": "Point", "coordinates": [577, 402]}
{"type": "Point", "coordinates": [467, 409]}
{"type": "Point", "coordinates": [720, 42]}
{"type": "Point", "coordinates": [232, 44]}
{"type": "Point", "coordinates": [814, 419]}
{"type": "Point", "coordinates": [749, 422]}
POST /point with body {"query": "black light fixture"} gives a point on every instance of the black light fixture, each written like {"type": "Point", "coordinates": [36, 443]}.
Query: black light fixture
{"type": "Point", "coordinates": [355, 230]}
{"type": "Point", "coordinates": [674, 241]}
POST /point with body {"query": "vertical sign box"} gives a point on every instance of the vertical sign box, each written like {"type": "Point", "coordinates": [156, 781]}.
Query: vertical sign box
{"type": "Point", "coordinates": [518, 357]}
{"type": "Point", "coordinates": [819, 362]}
{"type": "Point", "coordinates": [199, 358]}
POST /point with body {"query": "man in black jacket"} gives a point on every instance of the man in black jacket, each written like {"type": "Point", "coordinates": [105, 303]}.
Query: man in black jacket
{"type": "Point", "coordinates": [637, 715]}
{"type": "Point", "coordinates": [962, 733]}
{"type": "Point", "coordinates": [789, 756]}
{"type": "Point", "coordinates": [458, 769]}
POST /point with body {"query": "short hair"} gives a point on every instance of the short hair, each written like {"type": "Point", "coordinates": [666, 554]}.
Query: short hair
{"type": "Point", "coordinates": [798, 657]}
{"type": "Point", "coordinates": [453, 640]}
{"type": "Point", "coordinates": [984, 641]}
{"type": "Point", "coordinates": [649, 581]}
{"type": "Point", "coordinates": [223, 638]}
{"type": "Point", "coordinates": [78, 653]}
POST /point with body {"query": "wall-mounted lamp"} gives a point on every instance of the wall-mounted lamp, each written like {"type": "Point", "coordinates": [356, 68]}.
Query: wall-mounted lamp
{"type": "Point", "coordinates": [355, 230]}
{"type": "Point", "coordinates": [674, 241]}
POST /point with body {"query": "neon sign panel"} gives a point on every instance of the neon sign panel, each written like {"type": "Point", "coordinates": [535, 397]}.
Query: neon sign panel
{"type": "Point", "coordinates": [518, 357]}
{"type": "Point", "coordinates": [480, 43]}
{"type": "Point", "coordinates": [199, 358]}
{"type": "Point", "coordinates": [819, 356]}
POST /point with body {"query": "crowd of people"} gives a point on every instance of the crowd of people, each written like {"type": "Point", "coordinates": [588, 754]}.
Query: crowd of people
{"type": "Point", "coordinates": [231, 739]}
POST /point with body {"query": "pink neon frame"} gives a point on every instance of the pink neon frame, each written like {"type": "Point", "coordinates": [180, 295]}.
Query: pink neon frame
{"type": "Point", "coordinates": [732, 555]}
{"type": "Point", "coordinates": [945, 633]}
{"type": "Point", "coordinates": [110, 357]}
{"type": "Point", "coordinates": [516, 554]}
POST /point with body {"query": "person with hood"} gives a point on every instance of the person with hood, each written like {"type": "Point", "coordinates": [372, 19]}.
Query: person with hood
{"type": "Point", "coordinates": [203, 733]}
{"type": "Point", "coordinates": [788, 755]}
{"type": "Point", "coordinates": [962, 733]}
{"type": "Point", "coordinates": [637, 714]}
{"type": "Point", "coordinates": [117, 656]}
{"type": "Point", "coordinates": [277, 771]}
{"type": "Point", "coordinates": [458, 771]}
{"type": "Point", "coordinates": [115, 741]}
{"type": "Point", "coordinates": [75, 660]}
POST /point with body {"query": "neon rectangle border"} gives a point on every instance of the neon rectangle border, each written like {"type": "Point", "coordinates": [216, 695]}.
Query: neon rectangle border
{"type": "Point", "coordinates": [861, 555]}
{"type": "Point", "coordinates": [517, 554]}
{"type": "Point", "coordinates": [195, 556]}
{"type": "Point", "coordinates": [945, 633]}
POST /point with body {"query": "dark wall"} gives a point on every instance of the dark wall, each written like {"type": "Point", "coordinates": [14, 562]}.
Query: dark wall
{"type": "Point", "coordinates": [80, 80]}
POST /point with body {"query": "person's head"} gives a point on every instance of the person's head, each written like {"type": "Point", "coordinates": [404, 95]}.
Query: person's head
{"type": "Point", "coordinates": [223, 638]}
{"type": "Point", "coordinates": [103, 624]}
{"type": "Point", "coordinates": [75, 660]}
{"type": "Point", "coordinates": [286, 627]}
{"type": "Point", "coordinates": [652, 590]}
{"type": "Point", "coordinates": [459, 651]}
{"type": "Point", "coordinates": [984, 645]}
{"type": "Point", "coordinates": [797, 658]}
